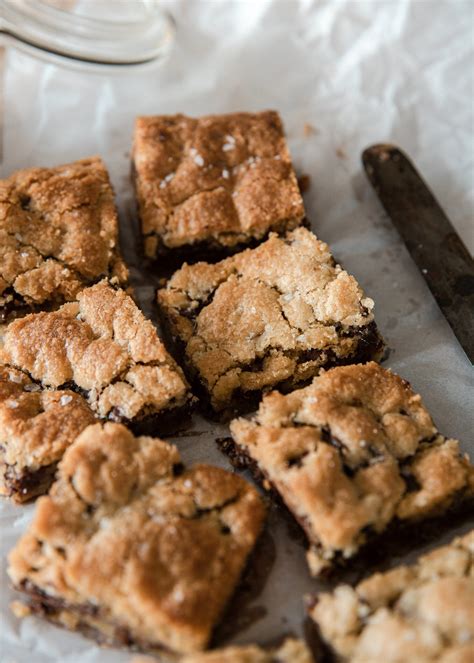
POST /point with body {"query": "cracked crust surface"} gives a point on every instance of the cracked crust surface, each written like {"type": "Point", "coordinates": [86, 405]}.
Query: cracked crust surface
{"type": "Point", "coordinates": [423, 612]}
{"type": "Point", "coordinates": [102, 346]}
{"type": "Point", "coordinates": [352, 454]}
{"type": "Point", "coordinates": [222, 180]}
{"type": "Point", "coordinates": [58, 234]}
{"type": "Point", "coordinates": [246, 324]}
{"type": "Point", "coordinates": [36, 427]}
{"type": "Point", "coordinates": [129, 541]}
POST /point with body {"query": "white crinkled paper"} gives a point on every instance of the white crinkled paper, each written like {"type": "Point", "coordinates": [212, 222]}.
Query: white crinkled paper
{"type": "Point", "coordinates": [358, 72]}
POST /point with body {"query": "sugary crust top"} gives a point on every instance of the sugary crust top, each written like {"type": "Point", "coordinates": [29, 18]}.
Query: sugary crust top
{"type": "Point", "coordinates": [58, 232]}
{"type": "Point", "coordinates": [421, 613]}
{"type": "Point", "coordinates": [291, 651]}
{"type": "Point", "coordinates": [36, 426]}
{"type": "Point", "coordinates": [248, 308]}
{"type": "Point", "coordinates": [223, 179]}
{"type": "Point", "coordinates": [104, 345]}
{"type": "Point", "coordinates": [157, 553]}
{"type": "Point", "coordinates": [355, 449]}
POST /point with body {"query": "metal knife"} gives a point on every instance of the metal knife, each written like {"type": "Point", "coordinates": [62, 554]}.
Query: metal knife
{"type": "Point", "coordinates": [443, 259]}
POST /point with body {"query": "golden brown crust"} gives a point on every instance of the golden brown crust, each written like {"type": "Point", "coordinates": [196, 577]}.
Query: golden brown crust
{"type": "Point", "coordinates": [156, 554]}
{"type": "Point", "coordinates": [247, 324]}
{"type": "Point", "coordinates": [220, 179]}
{"type": "Point", "coordinates": [58, 233]}
{"type": "Point", "coordinates": [36, 427]}
{"type": "Point", "coordinates": [421, 613]}
{"type": "Point", "coordinates": [356, 450]}
{"type": "Point", "coordinates": [290, 651]}
{"type": "Point", "coordinates": [95, 357]}
{"type": "Point", "coordinates": [103, 345]}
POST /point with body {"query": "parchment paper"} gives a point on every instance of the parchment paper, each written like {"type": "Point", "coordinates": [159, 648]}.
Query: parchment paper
{"type": "Point", "coordinates": [343, 75]}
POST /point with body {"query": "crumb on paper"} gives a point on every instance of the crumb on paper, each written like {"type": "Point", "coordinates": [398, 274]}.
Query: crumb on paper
{"type": "Point", "coordinates": [304, 183]}
{"type": "Point", "coordinates": [309, 129]}
{"type": "Point", "coordinates": [20, 609]}
{"type": "Point", "coordinates": [340, 153]}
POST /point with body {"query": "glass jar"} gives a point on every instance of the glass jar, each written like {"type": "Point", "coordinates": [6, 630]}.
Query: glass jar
{"type": "Point", "coordinates": [98, 32]}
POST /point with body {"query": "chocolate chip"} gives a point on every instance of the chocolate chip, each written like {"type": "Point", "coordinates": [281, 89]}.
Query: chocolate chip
{"type": "Point", "coordinates": [25, 201]}
{"type": "Point", "coordinates": [411, 482]}
{"type": "Point", "coordinates": [178, 469]}
{"type": "Point", "coordinates": [296, 461]}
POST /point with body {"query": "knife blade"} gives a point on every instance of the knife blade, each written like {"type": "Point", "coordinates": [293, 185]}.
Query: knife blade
{"type": "Point", "coordinates": [438, 251]}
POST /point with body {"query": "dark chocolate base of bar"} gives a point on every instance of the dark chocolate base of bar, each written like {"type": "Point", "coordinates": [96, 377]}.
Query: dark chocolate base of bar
{"type": "Point", "coordinates": [27, 485]}
{"type": "Point", "coordinates": [322, 652]}
{"type": "Point", "coordinates": [400, 537]}
{"type": "Point", "coordinates": [169, 421]}
{"type": "Point", "coordinates": [17, 308]}
{"type": "Point", "coordinates": [169, 260]}
{"type": "Point", "coordinates": [370, 347]}
{"type": "Point", "coordinates": [241, 611]}
{"type": "Point", "coordinates": [163, 423]}
{"type": "Point", "coordinates": [87, 615]}
{"type": "Point", "coordinates": [237, 615]}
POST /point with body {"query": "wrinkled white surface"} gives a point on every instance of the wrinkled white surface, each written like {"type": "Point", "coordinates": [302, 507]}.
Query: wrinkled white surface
{"type": "Point", "coordinates": [360, 73]}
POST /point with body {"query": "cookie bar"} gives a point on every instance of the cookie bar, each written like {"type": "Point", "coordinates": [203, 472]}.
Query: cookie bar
{"type": "Point", "coordinates": [422, 613]}
{"type": "Point", "coordinates": [268, 317]}
{"type": "Point", "coordinates": [353, 456]}
{"type": "Point", "coordinates": [36, 427]}
{"type": "Point", "coordinates": [212, 185]}
{"type": "Point", "coordinates": [102, 347]}
{"type": "Point", "coordinates": [58, 234]}
{"type": "Point", "coordinates": [133, 549]}
{"type": "Point", "coordinates": [290, 651]}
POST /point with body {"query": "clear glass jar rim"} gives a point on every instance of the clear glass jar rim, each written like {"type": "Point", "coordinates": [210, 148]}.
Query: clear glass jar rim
{"type": "Point", "coordinates": [104, 41]}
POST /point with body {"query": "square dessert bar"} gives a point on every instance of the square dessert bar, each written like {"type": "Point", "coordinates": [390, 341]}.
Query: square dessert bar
{"type": "Point", "coordinates": [290, 651]}
{"type": "Point", "coordinates": [102, 347]}
{"type": "Point", "coordinates": [353, 456]}
{"type": "Point", "coordinates": [213, 184]}
{"type": "Point", "coordinates": [421, 613]}
{"type": "Point", "coordinates": [36, 427]}
{"type": "Point", "coordinates": [58, 234]}
{"type": "Point", "coordinates": [268, 317]}
{"type": "Point", "coordinates": [133, 549]}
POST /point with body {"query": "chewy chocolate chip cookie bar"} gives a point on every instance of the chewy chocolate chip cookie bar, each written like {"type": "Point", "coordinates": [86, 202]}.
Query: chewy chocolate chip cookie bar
{"type": "Point", "coordinates": [96, 357]}
{"type": "Point", "coordinates": [212, 185]}
{"type": "Point", "coordinates": [36, 427]}
{"type": "Point", "coordinates": [133, 549]}
{"type": "Point", "coordinates": [58, 234]}
{"type": "Point", "coordinates": [272, 316]}
{"type": "Point", "coordinates": [422, 613]}
{"type": "Point", "coordinates": [352, 456]}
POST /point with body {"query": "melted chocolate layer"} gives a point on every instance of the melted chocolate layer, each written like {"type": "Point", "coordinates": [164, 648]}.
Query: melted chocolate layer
{"type": "Point", "coordinates": [28, 484]}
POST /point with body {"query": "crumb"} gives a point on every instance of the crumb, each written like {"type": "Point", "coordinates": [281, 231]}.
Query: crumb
{"type": "Point", "coordinates": [19, 609]}
{"type": "Point", "coordinates": [309, 130]}
{"type": "Point", "coordinates": [304, 183]}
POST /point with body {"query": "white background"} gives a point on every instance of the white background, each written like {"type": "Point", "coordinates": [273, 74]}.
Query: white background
{"type": "Point", "coordinates": [359, 72]}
